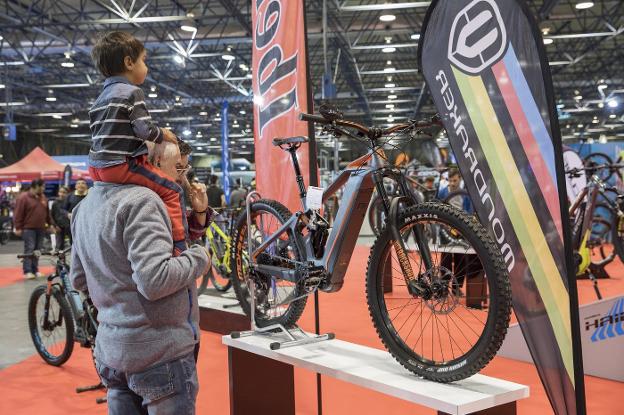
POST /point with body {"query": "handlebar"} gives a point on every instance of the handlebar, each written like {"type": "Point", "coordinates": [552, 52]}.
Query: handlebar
{"type": "Point", "coordinates": [578, 170]}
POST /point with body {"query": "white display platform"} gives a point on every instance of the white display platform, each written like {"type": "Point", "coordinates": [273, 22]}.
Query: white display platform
{"type": "Point", "coordinates": [224, 302]}
{"type": "Point", "coordinates": [377, 370]}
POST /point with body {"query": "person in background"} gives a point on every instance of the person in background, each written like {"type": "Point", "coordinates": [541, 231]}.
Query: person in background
{"type": "Point", "coordinates": [454, 184]}
{"type": "Point", "coordinates": [429, 185]}
{"type": "Point", "coordinates": [238, 195]}
{"type": "Point", "coordinates": [216, 197]}
{"type": "Point", "coordinates": [76, 196]}
{"type": "Point", "coordinates": [31, 219]}
{"type": "Point", "coordinates": [60, 218]}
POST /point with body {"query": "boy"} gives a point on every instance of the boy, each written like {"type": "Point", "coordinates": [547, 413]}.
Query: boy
{"type": "Point", "coordinates": [120, 125]}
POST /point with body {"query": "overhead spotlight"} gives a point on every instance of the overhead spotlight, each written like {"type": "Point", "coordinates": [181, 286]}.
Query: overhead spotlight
{"type": "Point", "coordinates": [178, 59]}
{"type": "Point", "coordinates": [612, 103]}
{"type": "Point", "coordinates": [2, 86]}
{"type": "Point", "coordinates": [602, 87]}
{"type": "Point", "coordinates": [67, 64]}
{"type": "Point", "coordinates": [389, 106]}
{"type": "Point", "coordinates": [595, 121]}
{"type": "Point", "coordinates": [57, 117]}
{"type": "Point", "coordinates": [388, 50]}
{"type": "Point", "coordinates": [415, 36]}
{"type": "Point", "coordinates": [578, 97]}
{"type": "Point", "coordinates": [227, 56]}
{"type": "Point", "coordinates": [73, 125]}
{"type": "Point", "coordinates": [601, 105]}
{"type": "Point", "coordinates": [548, 41]}
{"type": "Point", "coordinates": [243, 146]}
{"type": "Point", "coordinates": [580, 126]}
{"type": "Point", "coordinates": [612, 116]}
{"type": "Point", "coordinates": [50, 97]}
{"type": "Point", "coordinates": [203, 113]}
{"type": "Point", "coordinates": [582, 5]}
{"type": "Point", "coordinates": [387, 17]}
{"type": "Point", "coordinates": [213, 138]}
{"type": "Point", "coordinates": [186, 132]}
{"type": "Point", "coordinates": [199, 134]}
{"type": "Point", "coordinates": [242, 112]}
{"type": "Point", "coordinates": [188, 28]}
{"type": "Point", "coordinates": [152, 95]}
{"type": "Point", "coordinates": [390, 69]}
{"type": "Point", "coordinates": [392, 96]}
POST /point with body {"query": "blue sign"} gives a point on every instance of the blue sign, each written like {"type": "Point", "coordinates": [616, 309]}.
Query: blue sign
{"type": "Point", "coordinates": [225, 152]}
{"type": "Point", "coordinates": [10, 132]}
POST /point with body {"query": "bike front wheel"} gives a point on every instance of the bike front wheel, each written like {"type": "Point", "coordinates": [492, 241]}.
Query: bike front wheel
{"type": "Point", "coordinates": [454, 323]}
{"type": "Point", "coordinates": [51, 325]}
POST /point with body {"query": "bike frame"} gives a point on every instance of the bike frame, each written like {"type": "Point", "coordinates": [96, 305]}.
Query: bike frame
{"type": "Point", "coordinates": [359, 179]}
{"type": "Point", "coordinates": [225, 261]}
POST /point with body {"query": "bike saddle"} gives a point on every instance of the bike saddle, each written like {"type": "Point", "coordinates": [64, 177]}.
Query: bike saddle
{"type": "Point", "coordinates": [290, 140]}
{"type": "Point", "coordinates": [330, 112]}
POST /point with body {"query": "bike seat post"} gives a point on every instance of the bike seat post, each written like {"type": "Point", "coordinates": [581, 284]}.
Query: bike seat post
{"type": "Point", "coordinates": [251, 197]}
{"type": "Point", "coordinates": [302, 191]}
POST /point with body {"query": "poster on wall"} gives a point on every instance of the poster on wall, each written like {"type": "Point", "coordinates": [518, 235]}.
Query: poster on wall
{"type": "Point", "coordinates": [281, 92]}
{"type": "Point", "coordinates": [485, 65]}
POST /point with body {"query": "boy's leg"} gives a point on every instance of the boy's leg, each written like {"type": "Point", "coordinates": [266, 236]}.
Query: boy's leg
{"type": "Point", "coordinates": [139, 171]}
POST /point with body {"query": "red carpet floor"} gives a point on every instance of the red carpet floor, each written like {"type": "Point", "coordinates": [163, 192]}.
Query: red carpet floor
{"type": "Point", "coordinates": [11, 275]}
{"type": "Point", "coordinates": [33, 387]}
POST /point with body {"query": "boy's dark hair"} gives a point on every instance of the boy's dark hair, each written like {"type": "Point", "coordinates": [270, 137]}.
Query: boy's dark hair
{"type": "Point", "coordinates": [185, 148]}
{"type": "Point", "coordinates": [112, 48]}
{"type": "Point", "coordinates": [213, 179]}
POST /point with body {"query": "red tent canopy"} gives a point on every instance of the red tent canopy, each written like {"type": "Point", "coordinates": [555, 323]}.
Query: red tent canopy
{"type": "Point", "coordinates": [37, 165]}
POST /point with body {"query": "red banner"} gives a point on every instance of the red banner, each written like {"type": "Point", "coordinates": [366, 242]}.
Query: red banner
{"type": "Point", "coordinates": [280, 89]}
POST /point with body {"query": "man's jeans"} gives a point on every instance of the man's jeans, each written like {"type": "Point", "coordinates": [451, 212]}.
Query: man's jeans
{"type": "Point", "coordinates": [167, 389]}
{"type": "Point", "coordinates": [33, 240]}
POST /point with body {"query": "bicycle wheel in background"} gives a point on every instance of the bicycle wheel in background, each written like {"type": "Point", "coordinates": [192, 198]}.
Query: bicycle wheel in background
{"type": "Point", "coordinates": [457, 322]}
{"type": "Point", "coordinates": [277, 301]}
{"type": "Point", "coordinates": [457, 198]}
{"type": "Point", "coordinates": [5, 231]}
{"type": "Point", "coordinates": [596, 159]}
{"type": "Point", "coordinates": [219, 278]}
{"type": "Point", "coordinates": [51, 325]}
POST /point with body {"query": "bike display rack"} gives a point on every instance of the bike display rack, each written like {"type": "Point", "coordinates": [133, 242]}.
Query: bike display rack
{"type": "Point", "coordinates": [293, 340]}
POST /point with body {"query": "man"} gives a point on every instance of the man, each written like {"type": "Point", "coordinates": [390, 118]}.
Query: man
{"type": "Point", "coordinates": [216, 197]}
{"type": "Point", "coordinates": [238, 195]}
{"type": "Point", "coordinates": [60, 218]}
{"type": "Point", "coordinates": [72, 200]}
{"type": "Point", "coordinates": [454, 184]}
{"type": "Point", "coordinates": [31, 221]}
{"type": "Point", "coordinates": [146, 297]}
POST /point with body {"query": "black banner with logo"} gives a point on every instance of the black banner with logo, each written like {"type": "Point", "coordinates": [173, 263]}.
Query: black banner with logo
{"type": "Point", "coordinates": [486, 68]}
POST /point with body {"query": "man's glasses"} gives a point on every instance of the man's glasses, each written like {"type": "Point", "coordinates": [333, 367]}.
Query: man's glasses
{"type": "Point", "coordinates": [182, 169]}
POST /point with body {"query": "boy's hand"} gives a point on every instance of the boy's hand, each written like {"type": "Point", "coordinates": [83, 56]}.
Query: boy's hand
{"type": "Point", "coordinates": [169, 136]}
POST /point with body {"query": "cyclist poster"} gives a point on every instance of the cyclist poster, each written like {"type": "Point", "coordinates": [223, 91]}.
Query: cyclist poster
{"type": "Point", "coordinates": [281, 92]}
{"type": "Point", "coordinates": [487, 71]}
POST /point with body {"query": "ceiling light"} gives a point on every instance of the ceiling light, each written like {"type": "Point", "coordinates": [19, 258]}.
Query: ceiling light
{"type": "Point", "coordinates": [242, 112]}
{"type": "Point", "coordinates": [415, 36]}
{"type": "Point", "coordinates": [213, 139]}
{"type": "Point", "coordinates": [243, 146]}
{"type": "Point", "coordinates": [390, 85]}
{"type": "Point", "coordinates": [203, 113]}
{"type": "Point", "coordinates": [601, 105]}
{"type": "Point", "coordinates": [188, 28]}
{"type": "Point", "coordinates": [199, 134]}
{"type": "Point", "coordinates": [153, 88]}
{"type": "Point", "coordinates": [612, 103]}
{"type": "Point", "coordinates": [227, 57]}
{"type": "Point", "coordinates": [612, 116]}
{"type": "Point", "coordinates": [389, 69]}
{"type": "Point", "coordinates": [387, 17]}
{"type": "Point", "coordinates": [57, 117]}
{"type": "Point", "coordinates": [50, 99]}
{"type": "Point", "coordinates": [580, 126]}
{"type": "Point", "coordinates": [1, 86]}
{"type": "Point", "coordinates": [186, 132]}
{"type": "Point", "coordinates": [595, 121]}
{"type": "Point", "coordinates": [389, 105]}
{"type": "Point", "coordinates": [152, 95]}
{"type": "Point", "coordinates": [178, 59]}
{"type": "Point", "coordinates": [67, 64]}
{"type": "Point", "coordinates": [578, 97]}
{"type": "Point", "coordinates": [392, 96]}
{"type": "Point", "coordinates": [602, 87]}
{"type": "Point", "coordinates": [388, 50]}
{"type": "Point", "coordinates": [548, 41]}
{"type": "Point", "coordinates": [584, 5]}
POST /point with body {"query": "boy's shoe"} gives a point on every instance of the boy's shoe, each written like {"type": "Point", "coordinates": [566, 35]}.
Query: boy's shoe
{"type": "Point", "coordinates": [29, 276]}
{"type": "Point", "coordinates": [40, 275]}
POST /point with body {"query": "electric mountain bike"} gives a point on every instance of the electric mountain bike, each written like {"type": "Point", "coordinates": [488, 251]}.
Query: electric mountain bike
{"type": "Point", "coordinates": [420, 288]}
{"type": "Point", "coordinates": [218, 242]}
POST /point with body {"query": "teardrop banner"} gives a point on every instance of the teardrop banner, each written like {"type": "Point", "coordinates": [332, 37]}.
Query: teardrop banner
{"type": "Point", "coordinates": [281, 91]}
{"type": "Point", "coordinates": [485, 65]}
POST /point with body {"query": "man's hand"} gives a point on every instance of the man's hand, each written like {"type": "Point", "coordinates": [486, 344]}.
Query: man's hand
{"type": "Point", "coordinates": [198, 196]}
{"type": "Point", "coordinates": [18, 232]}
{"type": "Point", "coordinates": [169, 136]}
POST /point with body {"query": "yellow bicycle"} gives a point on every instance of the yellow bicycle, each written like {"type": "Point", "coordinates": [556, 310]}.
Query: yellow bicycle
{"type": "Point", "coordinates": [218, 242]}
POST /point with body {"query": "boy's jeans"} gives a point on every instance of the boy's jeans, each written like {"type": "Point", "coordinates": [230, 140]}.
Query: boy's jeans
{"type": "Point", "coordinates": [167, 389]}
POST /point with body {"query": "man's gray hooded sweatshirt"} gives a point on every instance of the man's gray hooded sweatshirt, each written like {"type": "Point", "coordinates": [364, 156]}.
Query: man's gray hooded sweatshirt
{"type": "Point", "coordinates": [146, 299]}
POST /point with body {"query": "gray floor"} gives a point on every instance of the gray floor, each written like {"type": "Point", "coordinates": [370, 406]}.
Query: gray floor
{"type": "Point", "coordinates": [15, 342]}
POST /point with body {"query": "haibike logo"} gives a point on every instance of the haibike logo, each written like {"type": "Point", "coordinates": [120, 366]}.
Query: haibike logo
{"type": "Point", "coordinates": [608, 326]}
{"type": "Point", "coordinates": [478, 37]}
{"type": "Point", "coordinates": [470, 158]}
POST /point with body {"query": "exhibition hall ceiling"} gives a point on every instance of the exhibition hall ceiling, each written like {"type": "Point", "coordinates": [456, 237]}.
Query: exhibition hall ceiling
{"type": "Point", "coordinates": [199, 54]}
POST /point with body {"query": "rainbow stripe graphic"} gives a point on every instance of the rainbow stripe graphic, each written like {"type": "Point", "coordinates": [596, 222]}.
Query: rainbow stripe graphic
{"type": "Point", "coordinates": [506, 165]}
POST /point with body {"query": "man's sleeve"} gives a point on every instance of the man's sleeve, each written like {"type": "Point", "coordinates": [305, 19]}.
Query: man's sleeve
{"type": "Point", "coordinates": [77, 274]}
{"type": "Point", "coordinates": [196, 231]}
{"type": "Point", "coordinates": [18, 215]}
{"type": "Point", "coordinates": [142, 123]}
{"type": "Point", "coordinates": [155, 271]}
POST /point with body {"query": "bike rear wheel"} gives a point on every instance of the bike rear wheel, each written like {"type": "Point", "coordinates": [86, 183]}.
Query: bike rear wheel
{"type": "Point", "coordinates": [272, 293]}
{"type": "Point", "coordinates": [5, 231]}
{"type": "Point", "coordinates": [53, 337]}
{"type": "Point", "coordinates": [453, 330]}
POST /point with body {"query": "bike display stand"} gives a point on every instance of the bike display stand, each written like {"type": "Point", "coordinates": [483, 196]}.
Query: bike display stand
{"type": "Point", "coordinates": [252, 363]}
{"type": "Point", "coordinates": [221, 313]}
{"type": "Point", "coordinates": [93, 388]}
{"type": "Point", "coordinates": [295, 336]}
